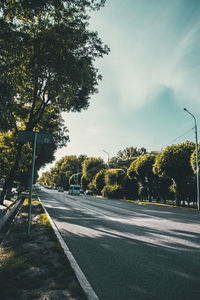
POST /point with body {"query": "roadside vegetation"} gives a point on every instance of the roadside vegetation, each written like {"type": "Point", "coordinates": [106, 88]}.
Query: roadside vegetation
{"type": "Point", "coordinates": [165, 177]}
{"type": "Point", "coordinates": [35, 267]}
{"type": "Point", "coordinates": [47, 66]}
{"type": "Point", "coordinates": [48, 55]}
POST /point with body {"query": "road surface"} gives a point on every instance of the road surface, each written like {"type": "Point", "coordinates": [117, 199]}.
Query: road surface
{"type": "Point", "coordinates": [129, 251]}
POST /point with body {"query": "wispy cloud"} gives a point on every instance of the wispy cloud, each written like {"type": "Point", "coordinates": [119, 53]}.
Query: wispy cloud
{"type": "Point", "coordinates": [159, 51]}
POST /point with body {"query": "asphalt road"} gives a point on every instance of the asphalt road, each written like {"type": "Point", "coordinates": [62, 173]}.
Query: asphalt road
{"type": "Point", "coordinates": [129, 251]}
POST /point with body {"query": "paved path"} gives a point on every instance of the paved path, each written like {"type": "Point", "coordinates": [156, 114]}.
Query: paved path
{"type": "Point", "coordinates": [129, 251]}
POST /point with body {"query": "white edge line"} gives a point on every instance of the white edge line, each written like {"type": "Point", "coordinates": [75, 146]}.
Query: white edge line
{"type": "Point", "coordinates": [90, 293]}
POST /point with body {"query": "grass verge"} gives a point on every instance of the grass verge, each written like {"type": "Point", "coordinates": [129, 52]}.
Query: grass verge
{"type": "Point", "coordinates": [35, 267]}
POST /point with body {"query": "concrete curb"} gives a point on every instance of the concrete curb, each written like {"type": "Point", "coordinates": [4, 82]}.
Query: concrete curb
{"type": "Point", "coordinates": [90, 293]}
{"type": "Point", "coordinates": [160, 204]}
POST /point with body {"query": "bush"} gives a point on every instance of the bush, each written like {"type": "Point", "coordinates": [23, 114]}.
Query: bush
{"type": "Point", "coordinates": [114, 176]}
{"type": "Point", "coordinates": [130, 188]}
{"type": "Point", "coordinates": [112, 191]}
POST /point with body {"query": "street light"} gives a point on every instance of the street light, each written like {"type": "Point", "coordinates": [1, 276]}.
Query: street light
{"type": "Point", "coordinates": [108, 157]}
{"type": "Point", "coordinates": [197, 160]}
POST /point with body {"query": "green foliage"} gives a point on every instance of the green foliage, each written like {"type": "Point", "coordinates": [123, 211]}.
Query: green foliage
{"type": "Point", "coordinates": [174, 163]}
{"type": "Point", "coordinates": [141, 169]}
{"type": "Point", "coordinates": [47, 52]}
{"type": "Point", "coordinates": [74, 180]}
{"type": "Point", "coordinates": [113, 191]}
{"type": "Point", "coordinates": [48, 56]}
{"type": "Point", "coordinates": [130, 187]}
{"type": "Point", "coordinates": [131, 152]}
{"type": "Point", "coordinates": [114, 176]}
{"type": "Point", "coordinates": [99, 181]}
{"type": "Point", "coordinates": [61, 173]}
{"type": "Point", "coordinates": [91, 166]}
{"type": "Point", "coordinates": [193, 160]}
{"type": "Point", "coordinates": [131, 171]}
{"type": "Point", "coordinates": [84, 183]}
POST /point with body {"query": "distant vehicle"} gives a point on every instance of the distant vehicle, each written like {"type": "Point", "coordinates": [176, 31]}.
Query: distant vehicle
{"type": "Point", "coordinates": [36, 187]}
{"type": "Point", "coordinates": [60, 189]}
{"type": "Point", "coordinates": [74, 189]}
{"type": "Point", "coordinates": [89, 192]}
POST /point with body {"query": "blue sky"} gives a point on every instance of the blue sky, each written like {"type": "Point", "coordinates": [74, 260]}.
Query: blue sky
{"type": "Point", "coordinates": [150, 75]}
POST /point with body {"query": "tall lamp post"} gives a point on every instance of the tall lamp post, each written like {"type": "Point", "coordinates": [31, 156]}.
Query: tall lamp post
{"type": "Point", "coordinates": [197, 159]}
{"type": "Point", "coordinates": [108, 157]}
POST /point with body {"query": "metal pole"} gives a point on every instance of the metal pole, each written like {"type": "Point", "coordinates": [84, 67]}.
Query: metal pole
{"type": "Point", "coordinates": [197, 165]}
{"type": "Point", "coordinates": [108, 157]}
{"type": "Point", "coordinates": [32, 178]}
{"type": "Point", "coordinates": [197, 159]}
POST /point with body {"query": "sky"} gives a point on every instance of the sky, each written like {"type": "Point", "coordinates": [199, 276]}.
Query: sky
{"type": "Point", "coordinates": [151, 73]}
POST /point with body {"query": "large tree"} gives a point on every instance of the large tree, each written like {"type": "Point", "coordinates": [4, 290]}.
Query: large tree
{"type": "Point", "coordinates": [44, 153]}
{"type": "Point", "coordinates": [47, 62]}
{"type": "Point", "coordinates": [174, 163]}
{"type": "Point", "coordinates": [91, 166]}
{"type": "Point", "coordinates": [141, 169]}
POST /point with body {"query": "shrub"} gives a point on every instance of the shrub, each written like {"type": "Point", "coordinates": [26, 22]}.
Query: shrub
{"type": "Point", "coordinates": [112, 191]}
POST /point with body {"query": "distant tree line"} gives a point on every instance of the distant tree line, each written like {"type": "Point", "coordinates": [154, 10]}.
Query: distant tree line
{"type": "Point", "coordinates": [133, 174]}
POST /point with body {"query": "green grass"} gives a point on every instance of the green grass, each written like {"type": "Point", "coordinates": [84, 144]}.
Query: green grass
{"type": "Point", "coordinates": [34, 294]}
{"type": "Point", "coordinates": [36, 263]}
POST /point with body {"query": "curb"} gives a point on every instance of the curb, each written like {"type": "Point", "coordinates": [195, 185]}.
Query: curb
{"type": "Point", "coordinates": [160, 204]}
{"type": "Point", "coordinates": [152, 203]}
{"type": "Point", "coordinates": [90, 293]}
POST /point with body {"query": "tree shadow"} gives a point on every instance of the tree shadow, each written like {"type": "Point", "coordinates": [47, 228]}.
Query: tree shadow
{"type": "Point", "coordinates": [124, 260]}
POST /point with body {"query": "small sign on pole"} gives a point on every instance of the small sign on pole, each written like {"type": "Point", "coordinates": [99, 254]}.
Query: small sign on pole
{"type": "Point", "coordinates": [28, 136]}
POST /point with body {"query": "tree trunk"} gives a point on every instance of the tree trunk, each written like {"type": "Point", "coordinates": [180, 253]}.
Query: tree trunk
{"type": "Point", "coordinates": [9, 181]}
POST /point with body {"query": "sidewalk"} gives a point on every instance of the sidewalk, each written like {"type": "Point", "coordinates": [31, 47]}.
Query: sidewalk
{"type": "Point", "coordinates": [35, 267]}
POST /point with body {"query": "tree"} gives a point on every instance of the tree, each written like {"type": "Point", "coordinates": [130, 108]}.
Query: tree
{"type": "Point", "coordinates": [141, 169]}
{"type": "Point", "coordinates": [129, 187]}
{"type": "Point", "coordinates": [47, 53]}
{"type": "Point", "coordinates": [174, 163]}
{"type": "Point", "coordinates": [114, 176]}
{"type": "Point", "coordinates": [193, 160]}
{"type": "Point", "coordinates": [99, 180]}
{"type": "Point", "coordinates": [75, 180]}
{"type": "Point", "coordinates": [44, 153]}
{"type": "Point", "coordinates": [125, 157]}
{"type": "Point", "coordinates": [91, 166]}
{"type": "Point", "coordinates": [131, 152]}
{"type": "Point", "coordinates": [84, 183]}
{"type": "Point", "coordinates": [113, 191]}
{"type": "Point", "coordinates": [65, 168]}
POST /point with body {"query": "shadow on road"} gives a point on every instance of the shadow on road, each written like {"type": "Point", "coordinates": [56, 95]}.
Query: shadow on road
{"type": "Point", "coordinates": [130, 257]}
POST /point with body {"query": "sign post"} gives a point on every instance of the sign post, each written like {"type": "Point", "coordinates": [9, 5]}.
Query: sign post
{"type": "Point", "coordinates": [31, 183]}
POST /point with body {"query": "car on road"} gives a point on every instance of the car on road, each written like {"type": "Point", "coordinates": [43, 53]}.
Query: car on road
{"type": "Point", "coordinates": [60, 189]}
{"type": "Point", "coordinates": [89, 192]}
{"type": "Point", "coordinates": [36, 187]}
